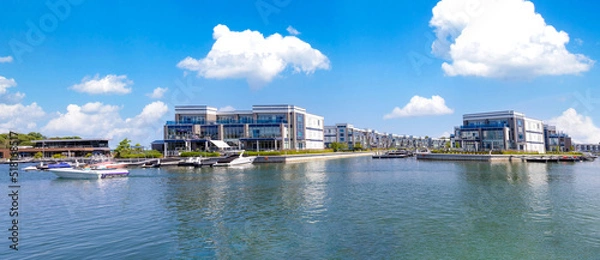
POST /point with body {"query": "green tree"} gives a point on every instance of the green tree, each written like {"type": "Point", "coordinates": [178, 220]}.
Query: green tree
{"type": "Point", "coordinates": [123, 149]}
{"type": "Point", "coordinates": [358, 147]}
{"type": "Point", "coordinates": [338, 146]}
{"type": "Point", "coordinates": [38, 155]}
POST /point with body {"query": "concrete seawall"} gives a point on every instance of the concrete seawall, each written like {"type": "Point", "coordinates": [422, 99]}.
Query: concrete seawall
{"type": "Point", "coordinates": [308, 157]}
{"type": "Point", "coordinates": [464, 157]}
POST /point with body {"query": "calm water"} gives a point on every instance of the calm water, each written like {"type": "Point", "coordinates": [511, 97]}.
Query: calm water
{"type": "Point", "coordinates": [337, 209]}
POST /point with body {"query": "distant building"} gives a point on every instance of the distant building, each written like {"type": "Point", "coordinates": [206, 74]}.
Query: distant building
{"type": "Point", "coordinates": [367, 138]}
{"type": "Point", "coordinates": [65, 147]}
{"type": "Point", "coordinates": [555, 141]}
{"type": "Point", "coordinates": [592, 148]}
{"type": "Point", "coordinates": [265, 127]}
{"type": "Point", "coordinates": [501, 130]}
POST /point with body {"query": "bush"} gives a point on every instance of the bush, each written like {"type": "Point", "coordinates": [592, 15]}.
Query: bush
{"type": "Point", "coordinates": [58, 156]}
{"type": "Point", "coordinates": [199, 154]}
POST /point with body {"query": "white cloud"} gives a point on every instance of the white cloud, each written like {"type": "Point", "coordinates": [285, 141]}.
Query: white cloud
{"type": "Point", "coordinates": [249, 55]}
{"type": "Point", "coordinates": [97, 120]}
{"type": "Point", "coordinates": [579, 41]}
{"type": "Point", "coordinates": [19, 117]}
{"type": "Point", "coordinates": [158, 93]}
{"type": "Point", "coordinates": [6, 83]}
{"type": "Point", "coordinates": [420, 106]}
{"type": "Point", "coordinates": [7, 59]}
{"type": "Point", "coordinates": [110, 84]}
{"type": "Point", "coordinates": [504, 39]}
{"type": "Point", "coordinates": [10, 98]}
{"type": "Point", "coordinates": [226, 108]}
{"type": "Point", "coordinates": [581, 128]}
{"type": "Point", "coordinates": [291, 30]}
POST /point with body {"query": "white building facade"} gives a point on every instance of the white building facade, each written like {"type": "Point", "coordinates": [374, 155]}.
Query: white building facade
{"type": "Point", "coordinates": [265, 127]}
{"type": "Point", "coordinates": [501, 130]}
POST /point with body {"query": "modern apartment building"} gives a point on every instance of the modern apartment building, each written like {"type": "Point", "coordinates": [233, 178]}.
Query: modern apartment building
{"type": "Point", "coordinates": [592, 148]}
{"type": "Point", "coordinates": [501, 130]}
{"type": "Point", "coordinates": [265, 127]}
{"type": "Point", "coordinates": [556, 141]}
{"type": "Point", "coordinates": [368, 138]}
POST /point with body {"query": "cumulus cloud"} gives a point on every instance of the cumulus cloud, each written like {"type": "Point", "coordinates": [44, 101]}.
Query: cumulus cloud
{"type": "Point", "coordinates": [504, 39]}
{"type": "Point", "coordinates": [581, 128]}
{"type": "Point", "coordinates": [110, 84]}
{"type": "Point", "coordinates": [6, 83]}
{"type": "Point", "coordinates": [251, 56]}
{"type": "Point", "coordinates": [19, 117]}
{"type": "Point", "coordinates": [7, 59]}
{"type": "Point", "coordinates": [98, 120]}
{"type": "Point", "coordinates": [420, 106]}
{"type": "Point", "coordinates": [158, 93]}
{"type": "Point", "coordinates": [10, 98]}
{"type": "Point", "coordinates": [291, 30]}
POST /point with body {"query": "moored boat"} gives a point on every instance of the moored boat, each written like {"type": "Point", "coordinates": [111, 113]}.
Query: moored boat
{"type": "Point", "coordinates": [392, 154]}
{"type": "Point", "coordinates": [234, 158]}
{"type": "Point", "coordinates": [89, 173]}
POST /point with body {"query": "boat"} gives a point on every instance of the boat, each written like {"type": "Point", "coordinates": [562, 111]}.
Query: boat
{"type": "Point", "coordinates": [58, 165]}
{"type": "Point", "coordinates": [589, 157]}
{"type": "Point", "coordinates": [570, 159]}
{"type": "Point", "coordinates": [89, 173]}
{"type": "Point", "coordinates": [30, 168]}
{"type": "Point", "coordinates": [109, 165]}
{"type": "Point", "coordinates": [392, 154]}
{"type": "Point", "coordinates": [190, 161]}
{"type": "Point", "coordinates": [234, 158]}
{"type": "Point", "coordinates": [542, 159]}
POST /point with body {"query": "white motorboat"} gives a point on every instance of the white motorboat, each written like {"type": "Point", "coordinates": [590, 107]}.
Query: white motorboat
{"type": "Point", "coordinates": [89, 173]}
{"type": "Point", "coordinates": [30, 168]}
{"type": "Point", "coordinates": [234, 158]}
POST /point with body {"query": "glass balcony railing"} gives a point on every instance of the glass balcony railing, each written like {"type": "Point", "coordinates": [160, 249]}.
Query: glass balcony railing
{"type": "Point", "coordinates": [483, 126]}
{"type": "Point", "coordinates": [226, 122]}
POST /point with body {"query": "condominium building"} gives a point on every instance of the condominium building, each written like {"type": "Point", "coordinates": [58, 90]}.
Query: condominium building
{"type": "Point", "coordinates": [556, 141]}
{"type": "Point", "coordinates": [368, 138]}
{"type": "Point", "coordinates": [592, 148]}
{"type": "Point", "coordinates": [501, 130]}
{"type": "Point", "coordinates": [265, 127]}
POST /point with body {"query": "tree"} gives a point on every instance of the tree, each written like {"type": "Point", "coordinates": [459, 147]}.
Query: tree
{"type": "Point", "coordinates": [338, 146]}
{"type": "Point", "coordinates": [123, 149]}
{"type": "Point", "coordinates": [38, 155]}
{"type": "Point", "coordinates": [358, 146]}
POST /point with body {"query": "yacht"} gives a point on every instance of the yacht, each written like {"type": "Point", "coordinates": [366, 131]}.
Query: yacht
{"type": "Point", "coordinates": [234, 158]}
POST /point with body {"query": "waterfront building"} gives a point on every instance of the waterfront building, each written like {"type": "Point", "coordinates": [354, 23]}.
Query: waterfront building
{"type": "Point", "coordinates": [556, 141]}
{"type": "Point", "coordinates": [65, 147]}
{"type": "Point", "coordinates": [501, 130]}
{"type": "Point", "coordinates": [368, 138]}
{"type": "Point", "coordinates": [265, 127]}
{"type": "Point", "coordinates": [592, 148]}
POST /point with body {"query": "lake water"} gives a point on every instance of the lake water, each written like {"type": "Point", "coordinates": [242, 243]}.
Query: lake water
{"type": "Point", "coordinates": [356, 208]}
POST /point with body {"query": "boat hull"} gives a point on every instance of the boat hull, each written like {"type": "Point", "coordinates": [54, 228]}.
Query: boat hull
{"type": "Point", "coordinates": [237, 161]}
{"type": "Point", "coordinates": [89, 173]}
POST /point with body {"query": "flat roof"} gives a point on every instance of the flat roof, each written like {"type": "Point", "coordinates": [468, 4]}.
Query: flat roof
{"type": "Point", "coordinates": [67, 140]}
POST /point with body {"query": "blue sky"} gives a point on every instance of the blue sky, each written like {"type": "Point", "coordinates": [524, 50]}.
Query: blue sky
{"type": "Point", "coordinates": [89, 67]}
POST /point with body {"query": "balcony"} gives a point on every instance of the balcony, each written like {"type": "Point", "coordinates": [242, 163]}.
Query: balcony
{"type": "Point", "coordinates": [228, 122]}
{"type": "Point", "coordinates": [483, 126]}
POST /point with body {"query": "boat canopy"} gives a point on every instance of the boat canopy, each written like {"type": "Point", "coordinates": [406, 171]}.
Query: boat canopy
{"type": "Point", "coordinates": [220, 144]}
